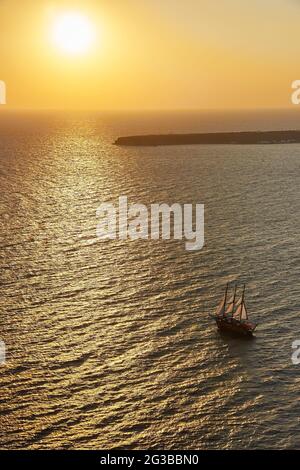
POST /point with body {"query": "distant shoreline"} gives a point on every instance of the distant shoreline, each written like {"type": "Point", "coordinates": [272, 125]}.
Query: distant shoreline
{"type": "Point", "coordinates": [212, 138]}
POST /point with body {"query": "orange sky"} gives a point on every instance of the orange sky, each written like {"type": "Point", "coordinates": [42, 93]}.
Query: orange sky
{"type": "Point", "coordinates": [153, 54]}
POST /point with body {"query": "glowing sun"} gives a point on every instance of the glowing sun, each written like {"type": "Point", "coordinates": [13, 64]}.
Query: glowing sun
{"type": "Point", "coordinates": [73, 33]}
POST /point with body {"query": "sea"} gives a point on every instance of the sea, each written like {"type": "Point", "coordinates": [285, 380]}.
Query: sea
{"type": "Point", "coordinates": [109, 344]}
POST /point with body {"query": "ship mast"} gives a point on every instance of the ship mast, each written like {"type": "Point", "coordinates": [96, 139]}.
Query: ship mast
{"type": "Point", "coordinates": [225, 299]}
{"type": "Point", "coordinates": [242, 302]}
{"type": "Point", "coordinates": [233, 302]}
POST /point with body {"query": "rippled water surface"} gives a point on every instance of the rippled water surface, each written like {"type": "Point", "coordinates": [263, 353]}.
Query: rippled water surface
{"type": "Point", "coordinates": [109, 344]}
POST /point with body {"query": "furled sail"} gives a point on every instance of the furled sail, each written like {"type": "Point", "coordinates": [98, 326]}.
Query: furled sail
{"type": "Point", "coordinates": [237, 313]}
{"type": "Point", "coordinates": [230, 306]}
{"type": "Point", "coordinates": [241, 312]}
{"type": "Point", "coordinates": [244, 315]}
{"type": "Point", "coordinates": [239, 301]}
{"type": "Point", "coordinates": [221, 307]}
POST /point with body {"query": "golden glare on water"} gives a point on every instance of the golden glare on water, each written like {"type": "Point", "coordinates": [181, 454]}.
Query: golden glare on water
{"type": "Point", "coordinates": [73, 33]}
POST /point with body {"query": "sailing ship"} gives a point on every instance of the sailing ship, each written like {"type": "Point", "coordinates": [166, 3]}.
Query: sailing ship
{"type": "Point", "coordinates": [232, 315]}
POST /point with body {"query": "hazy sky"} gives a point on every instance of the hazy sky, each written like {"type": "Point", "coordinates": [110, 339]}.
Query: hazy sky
{"type": "Point", "coordinates": [158, 54]}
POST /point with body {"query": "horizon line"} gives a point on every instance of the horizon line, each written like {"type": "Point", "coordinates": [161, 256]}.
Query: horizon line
{"type": "Point", "coordinates": [150, 110]}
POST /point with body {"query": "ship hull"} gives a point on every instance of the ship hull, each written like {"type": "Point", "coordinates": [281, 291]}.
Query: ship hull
{"type": "Point", "coordinates": [235, 327]}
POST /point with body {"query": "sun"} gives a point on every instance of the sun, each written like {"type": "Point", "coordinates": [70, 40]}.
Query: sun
{"type": "Point", "coordinates": [73, 33]}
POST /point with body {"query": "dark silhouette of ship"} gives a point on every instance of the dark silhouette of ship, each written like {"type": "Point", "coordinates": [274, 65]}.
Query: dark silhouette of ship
{"type": "Point", "coordinates": [232, 315]}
